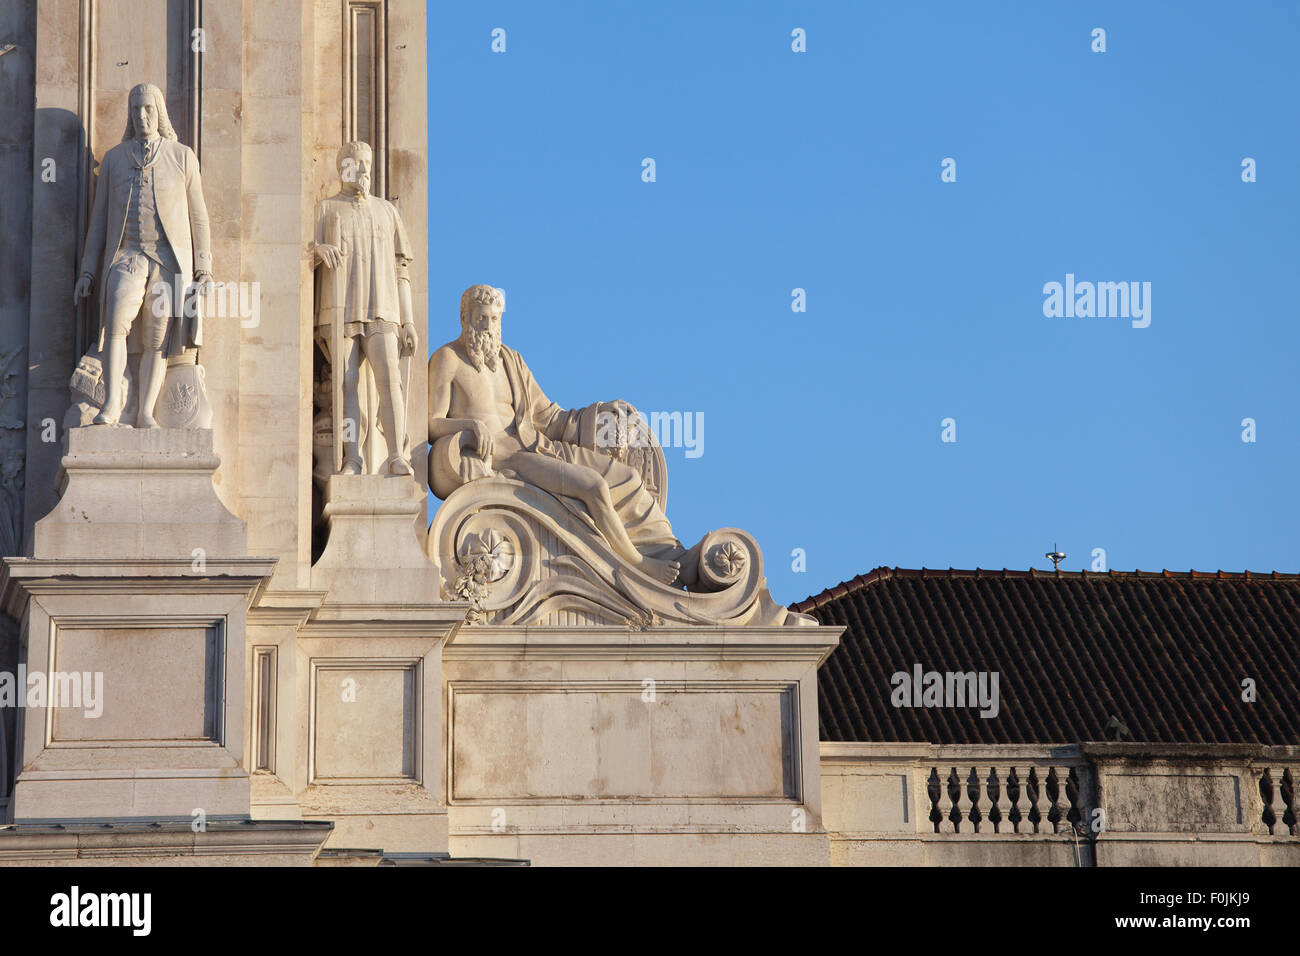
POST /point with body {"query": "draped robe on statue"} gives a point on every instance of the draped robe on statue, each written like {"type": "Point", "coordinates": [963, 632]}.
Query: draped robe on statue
{"type": "Point", "coordinates": [543, 427]}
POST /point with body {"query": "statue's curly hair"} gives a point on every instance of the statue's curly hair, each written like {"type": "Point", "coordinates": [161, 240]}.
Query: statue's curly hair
{"type": "Point", "coordinates": [481, 293]}
{"type": "Point", "coordinates": [165, 128]}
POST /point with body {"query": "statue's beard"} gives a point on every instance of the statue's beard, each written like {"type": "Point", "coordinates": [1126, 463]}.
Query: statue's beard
{"type": "Point", "coordinates": [484, 347]}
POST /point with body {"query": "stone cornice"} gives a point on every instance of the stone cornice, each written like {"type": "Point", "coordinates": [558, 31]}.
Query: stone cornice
{"type": "Point", "coordinates": [21, 578]}
{"type": "Point", "coordinates": [487, 642]}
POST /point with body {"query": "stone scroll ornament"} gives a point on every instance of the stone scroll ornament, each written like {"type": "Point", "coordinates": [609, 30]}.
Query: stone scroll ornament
{"type": "Point", "coordinates": [148, 255]}
{"type": "Point", "coordinates": [555, 516]}
{"type": "Point", "coordinates": [365, 323]}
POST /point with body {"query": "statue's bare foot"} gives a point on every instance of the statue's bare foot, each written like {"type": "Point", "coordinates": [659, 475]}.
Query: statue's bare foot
{"type": "Point", "coordinates": [661, 569]}
{"type": "Point", "coordinates": [146, 421]}
{"type": "Point", "coordinates": [690, 575]}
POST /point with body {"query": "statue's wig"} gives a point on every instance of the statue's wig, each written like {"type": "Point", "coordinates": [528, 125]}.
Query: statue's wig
{"type": "Point", "coordinates": [481, 293]}
{"type": "Point", "coordinates": [165, 128]}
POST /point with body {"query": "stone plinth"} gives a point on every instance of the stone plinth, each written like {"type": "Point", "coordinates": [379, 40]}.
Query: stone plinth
{"type": "Point", "coordinates": [134, 493]}
{"type": "Point", "coordinates": [374, 555]}
{"type": "Point", "coordinates": [617, 746]}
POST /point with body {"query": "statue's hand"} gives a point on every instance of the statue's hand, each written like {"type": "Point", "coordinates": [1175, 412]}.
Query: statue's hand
{"type": "Point", "coordinates": [332, 256]}
{"type": "Point", "coordinates": [482, 441]}
{"type": "Point", "coordinates": [203, 283]}
{"type": "Point", "coordinates": [409, 338]}
{"type": "Point", "coordinates": [83, 288]}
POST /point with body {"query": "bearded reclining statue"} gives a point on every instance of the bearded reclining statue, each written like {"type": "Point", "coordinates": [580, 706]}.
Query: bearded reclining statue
{"type": "Point", "coordinates": [556, 515]}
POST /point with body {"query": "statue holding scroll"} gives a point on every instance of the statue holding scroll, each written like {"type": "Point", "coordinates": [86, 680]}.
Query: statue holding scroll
{"type": "Point", "coordinates": [365, 325]}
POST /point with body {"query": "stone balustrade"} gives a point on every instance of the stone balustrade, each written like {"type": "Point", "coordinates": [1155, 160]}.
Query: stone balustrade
{"type": "Point", "coordinates": [1092, 804]}
{"type": "Point", "coordinates": [1020, 794]}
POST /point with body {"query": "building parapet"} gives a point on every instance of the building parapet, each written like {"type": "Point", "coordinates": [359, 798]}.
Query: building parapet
{"type": "Point", "coordinates": [1070, 804]}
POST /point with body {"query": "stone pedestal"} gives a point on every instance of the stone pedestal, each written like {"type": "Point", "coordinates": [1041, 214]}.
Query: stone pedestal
{"type": "Point", "coordinates": [132, 610]}
{"type": "Point", "coordinates": [616, 746]}
{"type": "Point", "coordinates": [368, 674]}
{"type": "Point", "coordinates": [138, 494]}
{"type": "Point", "coordinates": [373, 555]}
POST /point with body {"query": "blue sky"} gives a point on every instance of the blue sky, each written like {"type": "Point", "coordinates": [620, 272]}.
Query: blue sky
{"type": "Point", "coordinates": [778, 170]}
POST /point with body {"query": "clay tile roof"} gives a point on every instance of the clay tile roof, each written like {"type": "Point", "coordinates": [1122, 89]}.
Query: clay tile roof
{"type": "Point", "coordinates": [1163, 652]}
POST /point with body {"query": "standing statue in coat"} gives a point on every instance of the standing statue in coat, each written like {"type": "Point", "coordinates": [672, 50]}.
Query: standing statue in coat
{"type": "Point", "coordinates": [147, 243]}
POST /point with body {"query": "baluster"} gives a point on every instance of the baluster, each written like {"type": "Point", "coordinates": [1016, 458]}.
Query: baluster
{"type": "Point", "coordinates": [1004, 799]}
{"type": "Point", "coordinates": [1040, 805]}
{"type": "Point", "coordinates": [1061, 802]}
{"type": "Point", "coordinates": [934, 785]}
{"type": "Point", "coordinates": [1023, 823]}
{"type": "Point", "coordinates": [1260, 824]}
{"type": "Point", "coordinates": [979, 813]}
{"type": "Point", "coordinates": [1276, 803]}
{"type": "Point", "coordinates": [945, 803]}
{"type": "Point", "coordinates": [983, 802]}
{"type": "Point", "coordinates": [963, 801]}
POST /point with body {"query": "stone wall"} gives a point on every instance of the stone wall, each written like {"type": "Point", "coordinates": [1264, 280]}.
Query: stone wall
{"type": "Point", "coordinates": [618, 746]}
{"type": "Point", "coordinates": [17, 88]}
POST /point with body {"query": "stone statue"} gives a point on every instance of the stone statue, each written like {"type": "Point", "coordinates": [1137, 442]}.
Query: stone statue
{"type": "Point", "coordinates": [483, 388]}
{"type": "Point", "coordinates": [363, 311]}
{"type": "Point", "coordinates": [148, 246]}
{"type": "Point", "coordinates": [545, 515]}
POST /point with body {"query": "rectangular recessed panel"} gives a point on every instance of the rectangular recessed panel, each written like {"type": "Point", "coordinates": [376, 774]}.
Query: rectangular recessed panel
{"type": "Point", "coordinates": [584, 743]}
{"type": "Point", "coordinates": [1162, 800]}
{"type": "Point", "coordinates": [366, 721]}
{"type": "Point", "coordinates": [157, 684]}
{"type": "Point", "coordinates": [364, 69]}
{"type": "Point", "coordinates": [264, 672]}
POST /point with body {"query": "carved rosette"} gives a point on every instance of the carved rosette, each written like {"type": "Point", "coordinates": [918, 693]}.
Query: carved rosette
{"type": "Point", "coordinates": [522, 556]}
{"type": "Point", "coordinates": [725, 556]}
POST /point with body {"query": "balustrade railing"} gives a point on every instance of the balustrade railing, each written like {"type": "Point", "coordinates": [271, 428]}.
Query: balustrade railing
{"type": "Point", "coordinates": [1022, 798]}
